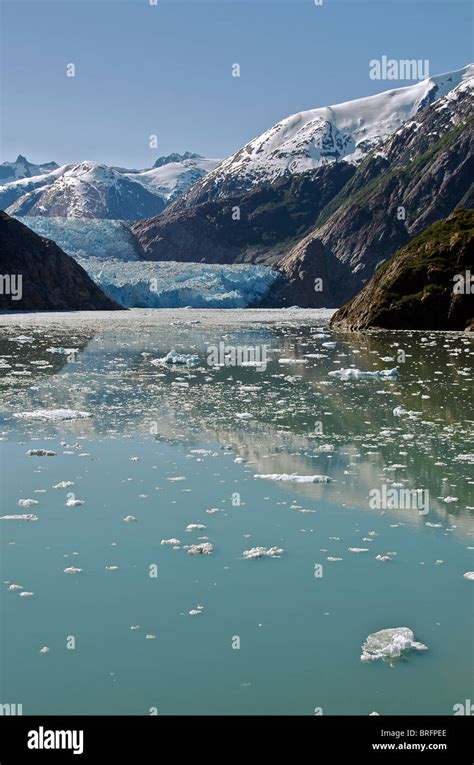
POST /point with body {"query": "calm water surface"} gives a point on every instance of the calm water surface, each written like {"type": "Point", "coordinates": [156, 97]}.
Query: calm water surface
{"type": "Point", "coordinates": [198, 437]}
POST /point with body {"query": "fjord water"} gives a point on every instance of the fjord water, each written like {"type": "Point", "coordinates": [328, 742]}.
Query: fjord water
{"type": "Point", "coordinates": [201, 434]}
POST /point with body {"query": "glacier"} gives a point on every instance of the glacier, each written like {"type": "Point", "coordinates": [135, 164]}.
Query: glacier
{"type": "Point", "coordinates": [109, 253]}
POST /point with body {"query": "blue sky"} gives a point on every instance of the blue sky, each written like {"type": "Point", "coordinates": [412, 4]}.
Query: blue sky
{"type": "Point", "coordinates": [166, 69]}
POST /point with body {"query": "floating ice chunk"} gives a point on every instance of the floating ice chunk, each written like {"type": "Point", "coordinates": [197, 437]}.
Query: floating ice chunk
{"type": "Point", "coordinates": [27, 502]}
{"type": "Point", "coordinates": [135, 627]}
{"type": "Point", "coordinates": [171, 541]}
{"type": "Point", "coordinates": [40, 453]}
{"type": "Point", "coordinates": [187, 359]}
{"type": "Point", "coordinates": [434, 525]}
{"type": "Point", "coordinates": [244, 416]}
{"type": "Point", "coordinates": [23, 517]}
{"type": "Point", "coordinates": [383, 557]}
{"type": "Point", "coordinates": [389, 644]}
{"type": "Point", "coordinates": [74, 502]}
{"type": "Point", "coordinates": [333, 559]}
{"type": "Point", "coordinates": [15, 587]}
{"type": "Point", "coordinates": [63, 485]}
{"type": "Point", "coordinates": [204, 548]}
{"type": "Point", "coordinates": [399, 411]}
{"type": "Point", "coordinates": [260, 552]}
{"type": "Point", "coordinates": [150, 637]}
{"type": "Point", "coordinates": [134, 459]}
{"type": "Point", "coordinates": [111, 568]}
{"type": "Point", "coordinates": [53, 414]}
{"type": "Point", "coordinates": [213, 510]}
{"type": "Point", "coordinates": [60, 349]}
{"type": "Point", "coordinates": [358, 373]}
{"type": "Point", "coordinates": [195, 527]}
{"type": "Point", "coordinates": [292, 361]}
{"type": "Point", "coordinates": [195, 611]}
{"type": "Point", "coordinates": [469, 575]}
{"type": "Point", "coordinates": [295, 478]}
{"type": "Point", "coordinates": [329, 344]}
{"type": "Point", "coordinates": [22, 339]}
{"type": "Point", "coordinates": [129, 518]}
{"type": "Point", "coordinates": [26, 594]}
{"type": "Point", "coordinates": [72, 570]}
{"type": "Point", "coordinates": [358, 549]}
{"type": "Point", "coordinates": [448, 500]}
{"type": "Point", "coordinates": [44, 649]}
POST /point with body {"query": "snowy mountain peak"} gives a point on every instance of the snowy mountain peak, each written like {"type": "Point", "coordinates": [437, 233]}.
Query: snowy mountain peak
{"type": "Point", "coordinates": [21, 168]}
{"type": "Point", "coordinates": [175, 157]}
{"type": "Point", "coordinates": [309, 139]}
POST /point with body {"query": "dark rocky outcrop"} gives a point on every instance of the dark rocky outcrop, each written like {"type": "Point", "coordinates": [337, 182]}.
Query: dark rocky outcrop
{"type": "Point", "coordinates": [51, 280]}
{"type": "Point", "coordinates": [426, 285]}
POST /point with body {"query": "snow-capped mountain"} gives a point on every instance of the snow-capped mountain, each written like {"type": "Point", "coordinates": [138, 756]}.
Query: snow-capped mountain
{"type": "Point", "coordinates": [21, 168]}
{"type": "Point", "coordinates": [94, 190]}
{"type": "Point", "coordinates": [309, 139]}
{"type": "Point", "coordinates": [90, 190]}
{"type": "Point", "coordinates": [171, 176]}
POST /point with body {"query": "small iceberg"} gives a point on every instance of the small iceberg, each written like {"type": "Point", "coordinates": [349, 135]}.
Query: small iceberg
{"type": "Point", "coordinates": [72, 570]}
{"type": "Point", "coordinates": [130, 519]}
{"type": "Point", "coordinates": [294, 478]}
{"type": "Point", "coordinates": [469, 575]}
{"type": "Point", "coordinates": [187, 359]}
{"type": "Point", "coordinates": [346, 374]}
{"type": "Point", "coordinates": [27, 502]}
{"type": "Point", "coordinates": [53, 414]}
{"type": "Point", "coordinates": [174, 542]}
{"type": "Point", "coordinates": [40, 453]}
{"type": "Point", "coordinates": [195, 527]}
{"type": "Point", "coordinates": [260, 552]}
{"type": "Point", "coordinates": [390, 644]}
{"type": "Point", "coordinates": [63, 485]}
{"type": "Point", "coordinates": [205, 548]}
{"type": "Point", "coordinates": [74, 502]}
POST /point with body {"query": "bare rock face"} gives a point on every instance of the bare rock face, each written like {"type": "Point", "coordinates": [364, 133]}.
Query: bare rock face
{"type": "Point", "coordinates": [426, 285]}
{"type": "Point", "coordinates": [50, 279]}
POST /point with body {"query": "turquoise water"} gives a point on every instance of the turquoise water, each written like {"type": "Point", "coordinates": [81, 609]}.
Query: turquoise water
{"type": "Point", "coordinates": [300, 635]}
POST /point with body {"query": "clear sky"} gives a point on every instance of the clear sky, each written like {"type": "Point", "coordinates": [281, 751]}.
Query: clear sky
{"type": "Point", "coordinates": [167, 69]}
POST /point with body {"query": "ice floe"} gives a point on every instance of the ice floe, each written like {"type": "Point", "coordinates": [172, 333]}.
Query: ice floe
{"type": "Point", "coordinates": [195, 527]}
{"type": "Point", "coordinates": [186, 359]}
{"type": "Point", "coordinates": [53, 414]}
{"type": "Point", "coordinates": [40, 453]}
{"type": "Point", "coordinates": [130, 519]}
{"type": "Point", "coordinates": [72, 570]}
{"type": "Point", "coordinates": [469, 575]}
{"type": "Point", "coordinates": [63, 485]}
{"type": "Point", "coordinates": [390, 644]}
{"type": "Point", "coordinates": [260, 552]}
{"type": "Point", "coordinates": [294, 477]}
{"type": "Point", "coordinates": [22, 517]}
{"type": "Point", "coordinates": [27, 502]}
{"type": "Point", "coordinates": [358, 373]}
{"type": "Point", "coordinates": [74, 502]}
{"type": "Point", "coordinates": [204, 548]}
{"type": "Point", "coordinates": [172, 541]}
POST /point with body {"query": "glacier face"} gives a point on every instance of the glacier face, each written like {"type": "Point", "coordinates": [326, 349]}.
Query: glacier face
{"type": "Point", "coordinates": [107, 250]}
{"type": "Point", "coordinates": [150, 284]}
